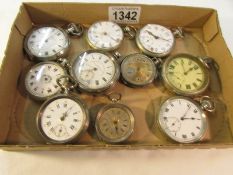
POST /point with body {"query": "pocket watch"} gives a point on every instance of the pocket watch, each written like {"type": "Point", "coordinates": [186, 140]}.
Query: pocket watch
{"type": "Point", "coordinates": [107, 35]}
{"type": "Point", "coordinates": [139, 70]}
{"type": "Point", "coordinates": [41, 80]}
{"type": "Point", "coordinates": [46, 43]}
{"type": "Point", "coordinates": [114, 122]}
{"type": "Point", "coordinates": [185, 74]}
{"type": "Point", "coordinates": [95, 71]}
{"type": "Point", "coordinates": [156, 40]}
{"type": "Point", "coordinates": [184, 120]}
{"type": "Point", "coordinates": [62, 118]}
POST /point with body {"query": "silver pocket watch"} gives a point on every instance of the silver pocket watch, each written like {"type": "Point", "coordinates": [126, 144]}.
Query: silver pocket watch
{"type": "Point", "coordinates": [183, 119]}
{"type": "Point", "coordinates": [64, 117]}
{"type": "Point", "coordinates": [48, 42]}
{"type": "Point", "coordinates": [115, 121]}
{"type": "Point", "coordinates": [95, 71]}
{"type": "Point", "coordinates": [156, 40]}
{"type": "Point", "coordinates": [107, 35]}
{"type": "Point", "coordinates": [139, 70]}
{"type": "Point", "coordinates": [41, 80]}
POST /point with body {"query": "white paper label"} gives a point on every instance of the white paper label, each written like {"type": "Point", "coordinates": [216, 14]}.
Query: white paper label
{"type": "Point", "coordinates": [124, 14]}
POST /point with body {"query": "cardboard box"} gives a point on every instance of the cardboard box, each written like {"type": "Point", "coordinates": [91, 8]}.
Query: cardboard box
{"type": "Point", "coordinates": [203, 37]}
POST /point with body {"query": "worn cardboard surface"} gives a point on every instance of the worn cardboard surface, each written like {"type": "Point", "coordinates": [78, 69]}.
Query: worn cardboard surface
{"type": "Point", "coordinates": [203, 38]}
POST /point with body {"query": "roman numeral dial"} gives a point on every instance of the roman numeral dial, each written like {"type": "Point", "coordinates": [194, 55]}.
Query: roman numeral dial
{"type": "Point", "coordinates": [46, 42]}
{"type": "Point", "coordinates": [40, 81]}
{"type": "Point", "coordinates": [61, 119]}
{"type": "Point", "coordinates": [95, 70]}
{"type": "Point", "coordinates": [183, 121]}
{"type": "Point", "coordinates": [105, 35]}
{"type": "Point", "coordinates": [186, 74]}
{"type": "Point", "coordinates": [155, 40]}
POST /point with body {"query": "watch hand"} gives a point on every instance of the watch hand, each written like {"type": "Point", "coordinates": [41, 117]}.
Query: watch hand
{"type": "Point", "coordinates": [190, 69]}
{"type": "Point", "coordinates": [191, 118]}
{"type": "Point", "coordinates": [155, 36]}
{"type": "Point", "coordinates": [65, 114]}
{"type": "Point", "coordinates": [68, 111]}
{"type": "Point", "coordinates": [182, 64]}
{"type": "Point", "coordinates": [184, 115]}
{"type": "Point", "coordinates": [113, 38]}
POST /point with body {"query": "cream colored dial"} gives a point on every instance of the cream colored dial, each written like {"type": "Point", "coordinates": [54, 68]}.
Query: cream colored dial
{"type": "Point", "coordinates": [187, 74]}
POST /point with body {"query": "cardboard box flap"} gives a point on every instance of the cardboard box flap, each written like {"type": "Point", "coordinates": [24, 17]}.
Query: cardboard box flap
{"type": "Point", "coordinates": [210, 28]}
{"type": "Point", "coordinates": [23, 21]}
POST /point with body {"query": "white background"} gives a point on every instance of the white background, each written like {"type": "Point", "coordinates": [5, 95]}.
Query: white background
{"type": "Point", "coordinates": [180, 162]}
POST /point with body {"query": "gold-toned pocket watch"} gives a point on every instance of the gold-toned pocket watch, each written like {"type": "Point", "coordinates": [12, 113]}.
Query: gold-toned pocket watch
{"type": "Point", "coordinates": [139, 70]}
{"type": "Point", "coordinates": [107, 35]}
{"type": "Point", "coordinates": [186, 74]}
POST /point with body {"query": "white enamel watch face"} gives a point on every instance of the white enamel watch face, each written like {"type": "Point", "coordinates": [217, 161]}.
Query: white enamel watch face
{"type": "Point", "coordinates": [105, 35]}
{"type": "Point", "coordinates": [95, 71]}
{"type": "Point", "coordinates": [155, 40]}
{"type": "Point", "coordinates": [182, 120]}
{"type": "Point", "coordinates": [46, 42]}
{"type": "Point", "coordinates": [62, 119]}
{"type": "Point", "coordinates": [138, 70]}
{"type": "Point", "coordinates": [114, 123]}
{"type": "Point", "coordinates": [41, 80]}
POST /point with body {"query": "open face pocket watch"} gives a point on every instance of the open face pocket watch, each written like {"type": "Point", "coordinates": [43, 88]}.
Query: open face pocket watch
{"type": "Point", "coordinates": [185, 120]}
{"type": "Point", "coordinates": [138, 70]}
{"type": "Point", "coordinates": [41, 80]}
{"type": "Point", "coordinates": [186, 74]}
{"type": "Point", "coordinates": [46, 43]}
{"type": "Point", "coordinates": [114, 122]}
{"type": "Point", "coordinates": [62, 118]}
{"type": "Point", "coordinates": [107, 35]}
{"type": "Point", "coordinates": [156, 40]}
{"type": "Point", "coordinates": [95, 71]}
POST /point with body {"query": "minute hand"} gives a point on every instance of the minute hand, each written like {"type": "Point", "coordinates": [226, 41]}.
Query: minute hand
{"type": "Point", "coordinates": [155, 36]}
